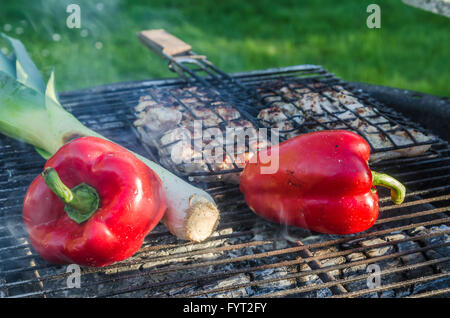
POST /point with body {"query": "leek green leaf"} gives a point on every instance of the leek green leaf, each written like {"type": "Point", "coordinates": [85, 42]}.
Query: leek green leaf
{"type": "Point", "coordinates": [44, 154]}
{"type": "Point", "coordinates": [26, 72]}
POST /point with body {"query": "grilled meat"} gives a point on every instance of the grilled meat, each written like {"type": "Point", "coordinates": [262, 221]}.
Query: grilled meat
{"type": "Point", "coordinates": [199, 136]}
{"type": "Point", "coordinates": [159, 118]}
{"type": "Point", "coordinates": [322, 107]}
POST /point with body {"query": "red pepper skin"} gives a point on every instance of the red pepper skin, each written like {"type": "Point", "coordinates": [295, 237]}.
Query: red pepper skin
{"type": "Point", "coordinates": [323, 184]}
{"type": "Point", "coordinates": [132, 202]}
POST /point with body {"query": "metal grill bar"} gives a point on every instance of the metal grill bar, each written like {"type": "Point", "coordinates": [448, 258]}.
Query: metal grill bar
{"type": "Point", "coordinates": [431, 293]}
{"type": "Point", "coordinates": [395, 285]}
{"type": "Point", "coordinates": [321, 270]}
{"type": "Point", "coordinates": [354, 279]}
{"type": "Point", "coordinates": [268, 254]}
{"type": "Point", "coordinates": [380, 221]}
{"type": "Point", "coordinates": [330, 283]}
{"type": "Point", "coordinates": [337, 289]}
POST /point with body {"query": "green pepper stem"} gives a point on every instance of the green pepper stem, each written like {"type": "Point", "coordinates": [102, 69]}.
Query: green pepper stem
{"type": "Point", "coordinates": [81, 201]}
{"type": "Point", "coordinates": [53, 181]}
{"type": "Point", "coordinates": [398, 190]}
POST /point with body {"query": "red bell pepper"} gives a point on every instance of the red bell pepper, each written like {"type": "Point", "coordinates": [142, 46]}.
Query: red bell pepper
{"type": "Point", "coordinates": [323, 183]}
{"type": "Point", "coordinates": [93, 205]}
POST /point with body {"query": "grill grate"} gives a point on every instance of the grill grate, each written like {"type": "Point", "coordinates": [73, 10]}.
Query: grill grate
{"type": "Point", "coordinates": [247, 256]}
{"type": "Point", "coordinates": [245, 103]}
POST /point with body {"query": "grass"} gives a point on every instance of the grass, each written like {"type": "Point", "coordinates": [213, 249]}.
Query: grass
{"type": "Point", "coordinates": [409, 51]}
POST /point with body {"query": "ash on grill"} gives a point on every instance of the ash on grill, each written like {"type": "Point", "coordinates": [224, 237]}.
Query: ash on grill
{"type": "Point", "coordinates": [247, 256]}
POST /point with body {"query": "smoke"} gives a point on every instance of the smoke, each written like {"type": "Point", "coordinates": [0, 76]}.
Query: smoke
{"type": "Point", "coordinates": [80, 56]}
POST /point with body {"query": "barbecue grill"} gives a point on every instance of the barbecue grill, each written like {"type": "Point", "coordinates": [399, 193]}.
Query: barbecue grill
{"type": "Point", "coordinates": [246, 256]}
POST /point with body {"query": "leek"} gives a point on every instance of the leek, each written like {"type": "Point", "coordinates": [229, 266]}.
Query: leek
{"type": "Point", "coordinates": [30, 111]}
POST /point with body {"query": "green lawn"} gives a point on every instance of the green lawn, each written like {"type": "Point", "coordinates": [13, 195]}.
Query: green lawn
{"type": "Point", "coordinates": [411, 50]}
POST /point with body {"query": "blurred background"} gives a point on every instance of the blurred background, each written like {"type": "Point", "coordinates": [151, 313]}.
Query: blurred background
{"type": "Point", "coordinates": [410, 50]}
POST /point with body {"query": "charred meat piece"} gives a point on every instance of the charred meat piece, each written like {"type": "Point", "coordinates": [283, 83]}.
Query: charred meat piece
{"type": "Point", "coordinates": [315, 104]}
{"type": "Point", "coordinates": [285, 117]}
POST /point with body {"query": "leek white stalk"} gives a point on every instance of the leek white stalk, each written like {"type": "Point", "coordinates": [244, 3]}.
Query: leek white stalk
{"type": "Point", "coordinates": [30, 111]}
